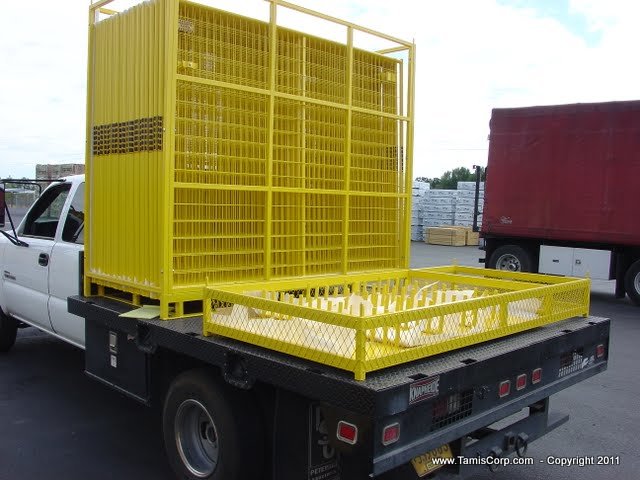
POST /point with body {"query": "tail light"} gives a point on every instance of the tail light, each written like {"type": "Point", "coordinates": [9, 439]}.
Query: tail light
{"type": "Point", "coordinates": [536, 376]}
{"type": "Point", "coordinates": [521, 381]}
{"type": "Point", "coordinates": [504, 388]}
{"type": "Point", "coordinates": [600, 351]}
{"type": "Point", "coordinates": [391, 434]}
{"type": "Point", "coordinates": [347, 432]}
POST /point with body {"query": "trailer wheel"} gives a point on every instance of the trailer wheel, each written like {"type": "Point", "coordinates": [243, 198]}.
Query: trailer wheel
{"type": "Point", "coordinates": [511, 258]}
{"type": "Point", "coordinates": [211, 430]}
{"type": "Point", "coordinates": [8, 331]}
{"type": "Point", "coordinates": [632, 282]}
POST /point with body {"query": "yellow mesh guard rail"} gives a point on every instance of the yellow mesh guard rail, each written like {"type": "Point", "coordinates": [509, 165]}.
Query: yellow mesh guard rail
{"type": "Point", "coordinates": [366, 322]}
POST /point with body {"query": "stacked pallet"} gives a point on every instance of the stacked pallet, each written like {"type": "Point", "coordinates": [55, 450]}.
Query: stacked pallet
{"type": "Point", "coordinates": [465, 203]}
{"type": "Point", "coordinates": [455, 237]}
{"type": "Point", "coordinates": [439, 207]}
{"type": "Point", "coordinates": [419, 191]}
{"type": "Point", "coordinates": [444, 208]}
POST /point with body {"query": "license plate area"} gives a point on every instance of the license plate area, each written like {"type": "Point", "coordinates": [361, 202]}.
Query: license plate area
{"type": "Point", "coordinates": [424, 464]}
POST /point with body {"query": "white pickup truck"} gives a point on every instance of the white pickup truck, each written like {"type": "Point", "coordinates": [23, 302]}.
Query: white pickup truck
{"type": "Point", "coordinates": [226, 401]}
{"type": "Point", "coordinates": [40, 265]}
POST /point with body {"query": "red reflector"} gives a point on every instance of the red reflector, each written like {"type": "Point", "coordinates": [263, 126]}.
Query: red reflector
{"type": "Point", "coordinates": [347, 432]}
{"type": "Point", "coordinates": [391, 434]}
{"type": "Point", "coordinates": [600, 351]}
{"type": "Point", "coordinates": [504, 389]}
{"type": "Point", "coordinates": [536, 375]}
{"type": "Point", "coordinates": [521, 381]}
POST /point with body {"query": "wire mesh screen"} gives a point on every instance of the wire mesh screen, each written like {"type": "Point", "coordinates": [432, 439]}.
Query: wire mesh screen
{"type": "Point", "coordinates": [218, 45]}
{"type": "Point", "coordinates": [306, 152]}
{"type": "Point", "coordinates": [269, 153]}
{"type": "Point", "coordinates": [365, 323]}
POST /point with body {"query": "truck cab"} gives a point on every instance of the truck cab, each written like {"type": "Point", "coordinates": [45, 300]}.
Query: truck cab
{"type": "Point", "coordinates": [41, 264]}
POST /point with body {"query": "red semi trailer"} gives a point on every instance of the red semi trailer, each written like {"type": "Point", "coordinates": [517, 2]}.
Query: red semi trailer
{"type": "Point", "coordinates": [561, 193]}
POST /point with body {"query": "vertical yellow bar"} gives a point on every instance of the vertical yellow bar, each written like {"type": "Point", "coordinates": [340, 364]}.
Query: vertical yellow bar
{"type": "Point", "coordinates": [406, 239]}
{"type": "Point", "coordinates": [587, 298]}
{"type": "Point", "coordinates": [303, 155]}
{"type": "Point", "coordinates": [170, 28]}
{"type": "Point", "coordinates": [88, 152]}
{"type": "Point", "coordinates": [347, 154]}
{"type": "Point", "coordinates": [361, 353]}
{"type": "Point", "coordinates": [273, 43]}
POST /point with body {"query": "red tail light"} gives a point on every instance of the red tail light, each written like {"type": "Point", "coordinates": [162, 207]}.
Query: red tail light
{"type": "Point", "coordinates": [536, 375]}
{"type": "Point", "coordinates": [521, 381]}
{"type": "Point", "coordinates": [347, 432]}
{"type": "Point", "coordinates": [504, 388]}
{"type": "Point", "coordinates": [600, 351]}
{"type": "Point", "coordinates": [391, 434]}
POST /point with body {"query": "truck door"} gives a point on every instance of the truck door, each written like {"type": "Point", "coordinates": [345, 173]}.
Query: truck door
{"type": "Point", "coordinates": [26, 270]}
{"type": "Point", "coordinates": [64, 270]}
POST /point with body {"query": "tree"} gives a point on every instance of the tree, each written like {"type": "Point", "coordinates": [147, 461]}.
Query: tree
{"type": "Point", "coordinates": [450, 179]}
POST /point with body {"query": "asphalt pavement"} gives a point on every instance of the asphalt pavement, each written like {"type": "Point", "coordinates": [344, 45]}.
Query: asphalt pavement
{"type": "Point", "coordinates": [56, 423]}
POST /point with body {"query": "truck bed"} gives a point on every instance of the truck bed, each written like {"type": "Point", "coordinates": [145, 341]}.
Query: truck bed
{"type": "Point", "coordinates": [383, 393]}
{"type": "Point", "coordinates": [448, 399]}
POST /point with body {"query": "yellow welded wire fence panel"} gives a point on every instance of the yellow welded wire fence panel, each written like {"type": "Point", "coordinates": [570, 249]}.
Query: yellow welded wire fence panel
{"type": "Point", "coordinates": [230, 149]}
{"type": "Point", "coordinates": [363, 323]}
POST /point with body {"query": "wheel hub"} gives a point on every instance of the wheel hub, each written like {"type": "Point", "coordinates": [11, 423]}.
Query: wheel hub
{"type": "Point", "coordinates": [196, 438]}
{"type": "Point", "coordinates": [509, 262]}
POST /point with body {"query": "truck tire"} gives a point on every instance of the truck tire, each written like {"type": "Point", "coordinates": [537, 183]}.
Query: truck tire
{"type": "Point", "coordinates": [632, 282]}
{"type": "Point", "coordinates": [211, 430]}
{"type": "Point", "coordinates": [8, 331]}
{"type": "Point", "coordinates": [512, 258]}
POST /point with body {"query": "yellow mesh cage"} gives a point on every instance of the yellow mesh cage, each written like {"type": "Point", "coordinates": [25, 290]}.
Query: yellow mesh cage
{"type": "Point", "coordinates": [226, 149]}
{"type": "Point", "coordinates": [366, 322]}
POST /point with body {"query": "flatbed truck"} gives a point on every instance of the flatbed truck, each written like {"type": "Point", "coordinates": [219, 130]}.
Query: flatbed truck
{"type": "Point", "coordinates": [222, 150]}
{"type": "Point", "coordinates": [235, 410]}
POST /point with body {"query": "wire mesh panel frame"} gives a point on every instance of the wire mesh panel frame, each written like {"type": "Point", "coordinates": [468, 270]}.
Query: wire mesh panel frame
{"type": "Point", "coordinates": [337, 128]}
{"type": "Point", "coordinates": [366, 322]}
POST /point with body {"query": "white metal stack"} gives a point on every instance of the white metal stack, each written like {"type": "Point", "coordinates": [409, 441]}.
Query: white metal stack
{"type": "Point", "coordinates": [465, 202]}
{"type": "Point", "coordinates": [419, 192]}
{"type": "Point", "coordinates": [441, 207]}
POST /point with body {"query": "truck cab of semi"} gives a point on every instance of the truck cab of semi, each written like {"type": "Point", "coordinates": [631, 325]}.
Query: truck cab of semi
{"type": "Point", "coordinates": [40, 263]}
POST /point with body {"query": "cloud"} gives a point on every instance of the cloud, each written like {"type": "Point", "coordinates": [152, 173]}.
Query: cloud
{"type": "Point", "coordinates": [473, 55]}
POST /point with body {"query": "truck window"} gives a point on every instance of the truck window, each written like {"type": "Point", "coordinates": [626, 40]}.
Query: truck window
{"type": "Point", "coordinates": [42, 220]}
{"type": "Point", "coordinates": [73, 230]}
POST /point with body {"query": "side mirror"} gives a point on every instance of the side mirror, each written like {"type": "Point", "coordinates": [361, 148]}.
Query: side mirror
{"type": "Point", "coordinates": [2, 207]}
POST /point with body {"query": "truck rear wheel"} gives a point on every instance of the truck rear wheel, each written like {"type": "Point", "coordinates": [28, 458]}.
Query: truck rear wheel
{"type": "Point", "coordinates": [211, 430]}
{"type": "Point", "coordinates": [632, 282]}
{"type": "Point", "coordinates": [511, 258]}
{"type": "Point", "coordinates": [8, 331]}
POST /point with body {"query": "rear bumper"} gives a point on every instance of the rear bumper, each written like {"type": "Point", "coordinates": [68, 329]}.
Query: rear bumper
{"type": "Point", "coordinates": [538, 425]}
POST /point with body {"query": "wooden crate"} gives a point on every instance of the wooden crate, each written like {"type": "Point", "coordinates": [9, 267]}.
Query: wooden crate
{"type": "Point", "coordinates": [446, 236]}
{"type": "Point", "coordinates": [473, 238]}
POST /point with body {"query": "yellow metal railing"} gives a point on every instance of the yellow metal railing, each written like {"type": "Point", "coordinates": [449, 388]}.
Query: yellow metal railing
{"type": "Point", "coordinates": [366, 322]}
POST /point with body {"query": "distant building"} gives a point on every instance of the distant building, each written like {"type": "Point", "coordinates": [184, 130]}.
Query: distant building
{"type": "Point", "coordinates": [52, 171]}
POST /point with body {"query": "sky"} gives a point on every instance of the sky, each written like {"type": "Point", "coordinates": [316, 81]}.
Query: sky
{"type": "Point", "coordinates": [472, 56]}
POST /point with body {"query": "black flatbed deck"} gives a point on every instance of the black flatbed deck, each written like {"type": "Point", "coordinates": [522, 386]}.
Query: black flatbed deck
{"type": "Point", "coordinates": [382, 393]}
